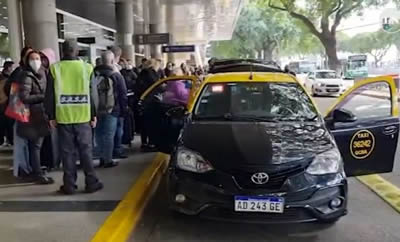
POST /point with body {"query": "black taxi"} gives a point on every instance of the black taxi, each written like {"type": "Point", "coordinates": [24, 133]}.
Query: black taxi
{"type": "Point", "coordinates": [249, 144]}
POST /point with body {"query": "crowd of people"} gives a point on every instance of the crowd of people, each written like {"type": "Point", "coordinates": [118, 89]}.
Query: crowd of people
{"type": "Point", "coordinates": [93, 110]}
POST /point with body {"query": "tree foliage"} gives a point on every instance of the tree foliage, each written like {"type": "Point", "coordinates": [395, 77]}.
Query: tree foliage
{"type": "Point", "coordinates": [322, 18]}
{"type": "Point", "coordinates": [259, 29]}
{"type": "Point", "coordinates": [377, 44]}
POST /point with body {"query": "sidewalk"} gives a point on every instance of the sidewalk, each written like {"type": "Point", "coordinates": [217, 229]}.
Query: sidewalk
{"type": "Point", "coordinates": [38, 213]}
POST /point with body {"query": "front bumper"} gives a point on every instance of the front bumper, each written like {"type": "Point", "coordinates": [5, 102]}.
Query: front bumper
{"type": "Point", "coordinates": [212, 201]}
{"type": "Point", "coordinates": [328, 91]}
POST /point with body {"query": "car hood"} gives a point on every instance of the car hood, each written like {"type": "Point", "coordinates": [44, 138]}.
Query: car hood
{"type": "Point", "coordinates": [234, 145]}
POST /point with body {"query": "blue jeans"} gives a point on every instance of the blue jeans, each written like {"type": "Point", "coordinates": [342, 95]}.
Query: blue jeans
{"type": "Point", "coordinates": [21, 154]}
{"type": "Point", "coordinates": [118, 149]}
{"type": "Point", "coordinates": [105, 132]}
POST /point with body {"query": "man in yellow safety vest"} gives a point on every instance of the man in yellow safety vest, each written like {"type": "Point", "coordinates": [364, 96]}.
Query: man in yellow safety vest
{"type": "Point", "coordinates": [72, 111]}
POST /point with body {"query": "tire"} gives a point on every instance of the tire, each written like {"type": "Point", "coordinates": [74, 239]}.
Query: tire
{"type": "Point", "coordinates": [313, 93]}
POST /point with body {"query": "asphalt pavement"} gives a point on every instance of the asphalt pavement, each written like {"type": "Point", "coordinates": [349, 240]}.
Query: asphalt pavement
{"type": "Point", "coordinates": [370, 219]}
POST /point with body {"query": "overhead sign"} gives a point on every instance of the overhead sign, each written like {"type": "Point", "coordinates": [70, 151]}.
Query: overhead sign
{"type": "Point", "coordinates": [152, 39]}
{"type": "Point", "coordinates": [87, 40]}
{"type": "Point", "coordinates": [178, 48]}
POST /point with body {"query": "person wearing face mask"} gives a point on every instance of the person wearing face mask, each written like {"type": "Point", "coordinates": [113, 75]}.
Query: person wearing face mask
{"type": "Point", "coordinates": [32, 93]}
{"type": "Point", "coordinates": [169, 69]}
{"type": "Point", "coordinates": [21, 164]}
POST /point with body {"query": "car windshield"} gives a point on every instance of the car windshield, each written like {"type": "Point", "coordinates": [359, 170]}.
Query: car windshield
{"type": "Point", "coordinates": [264, 101]}
{"type": "Point", "coordinates": [326, 75]}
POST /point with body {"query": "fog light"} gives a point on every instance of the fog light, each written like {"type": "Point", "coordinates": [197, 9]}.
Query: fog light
{"type": "Point", "coordinates": [335, 203]}
{"type": "Point", "coordinates": [180, 198]}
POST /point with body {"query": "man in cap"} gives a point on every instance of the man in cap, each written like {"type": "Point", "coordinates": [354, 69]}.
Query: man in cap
{"type": "Point", "coordinates": [71, 109]}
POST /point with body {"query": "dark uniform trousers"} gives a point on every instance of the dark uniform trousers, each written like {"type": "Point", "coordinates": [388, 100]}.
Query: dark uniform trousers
{"type": "Point", "coordinates": [76, 138]}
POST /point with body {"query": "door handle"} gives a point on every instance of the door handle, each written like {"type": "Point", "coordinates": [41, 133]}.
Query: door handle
{"type": "Point", "coordinates": [389, 130]}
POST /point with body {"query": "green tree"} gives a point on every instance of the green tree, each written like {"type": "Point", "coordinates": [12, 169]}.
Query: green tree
{"type": "Point", "coordinates": [322, 18]}
{"type": "Point", "coordinates": [259, 29]}
{"type": "Point", "coordinates": [377, 44]}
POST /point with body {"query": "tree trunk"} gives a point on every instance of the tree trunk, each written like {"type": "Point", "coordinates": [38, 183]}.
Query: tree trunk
{"type": "Point", "coordinates": [268, 53]}
{"type": "Point", "coordinates": [330, 45]}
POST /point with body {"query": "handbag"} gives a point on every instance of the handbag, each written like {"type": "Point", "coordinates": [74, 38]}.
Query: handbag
{"type": "Point", "coordinates": [16, 109]}
{"type": "Point", "coordinates": [37, 125]}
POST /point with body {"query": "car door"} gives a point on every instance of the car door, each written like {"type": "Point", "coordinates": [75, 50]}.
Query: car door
{"type": "Point", "coordinates": [158, 100]}
{"type": "Point", "coordinates": [365, 125]}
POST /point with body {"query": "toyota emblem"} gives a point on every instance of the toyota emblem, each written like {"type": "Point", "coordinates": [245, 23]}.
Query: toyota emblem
{"type": "Point", "coordinates": [260, 178]}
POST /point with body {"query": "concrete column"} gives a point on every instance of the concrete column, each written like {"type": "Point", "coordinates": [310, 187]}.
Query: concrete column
{"type": "Point", "coordinates": [15, 29]}
{"type": "Point", "coordinates": [146, 24]}
{"type": "Point", "coordinates": [40, 24]}
{"type": "Point", "coordinates": [170, 29]}
{"type": "Point", "coordinates": [125, 26]}
{"type": "Point", "coordinates": [139, 27]}
{"type": "Point", "coordinates": [157, 24]}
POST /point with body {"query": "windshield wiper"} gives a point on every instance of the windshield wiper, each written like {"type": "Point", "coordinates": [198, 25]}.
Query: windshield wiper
{"type": "Point", "coordinates": [231, 117]}
{"type": "Point", "coordinates": [251, 118]}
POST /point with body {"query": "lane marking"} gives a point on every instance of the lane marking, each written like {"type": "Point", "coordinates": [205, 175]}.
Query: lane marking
{"type": "Point", "coordinates": [383, 188]}
{"type": "Point", "coordinates": [122, 221]}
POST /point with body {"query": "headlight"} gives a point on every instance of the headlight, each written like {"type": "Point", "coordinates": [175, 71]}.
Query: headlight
{"type": "Point", "coordinates": [328, 162]}
{"type": "Point", "coordinates": [191, 161]}
{"type": "Point", "coordinates": [320, 84]}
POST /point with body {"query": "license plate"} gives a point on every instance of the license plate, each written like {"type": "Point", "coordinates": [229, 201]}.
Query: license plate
{"type": "Point", "coordinates": [332, 90]}
{"type": "Point", "coordinates": [259, 204]}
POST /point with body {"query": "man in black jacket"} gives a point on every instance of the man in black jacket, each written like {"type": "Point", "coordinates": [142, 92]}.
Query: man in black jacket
{"type": "Point", "coordinates": [107, 119]}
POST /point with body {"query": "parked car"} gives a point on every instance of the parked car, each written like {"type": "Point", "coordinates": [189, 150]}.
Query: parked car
{"type": "Point", "coordinates": [326, 83]}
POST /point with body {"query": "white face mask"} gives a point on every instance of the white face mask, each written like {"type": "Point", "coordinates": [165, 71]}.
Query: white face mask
{"type": "Point", "coordinates": [35, 65]}
{"type": "Point", "coordinates": [130, 67]}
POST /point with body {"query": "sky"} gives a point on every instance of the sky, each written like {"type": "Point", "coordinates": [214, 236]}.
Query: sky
{"type": "Point", "coordinates": [370, 21]}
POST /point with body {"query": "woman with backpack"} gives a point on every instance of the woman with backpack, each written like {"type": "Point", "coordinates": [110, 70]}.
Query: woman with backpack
{"type": "Point", "coordinates": [32, 93]}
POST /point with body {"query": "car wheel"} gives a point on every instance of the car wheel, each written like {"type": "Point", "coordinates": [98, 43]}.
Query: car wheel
{"type": "Point", "coordinates": [313, 93]}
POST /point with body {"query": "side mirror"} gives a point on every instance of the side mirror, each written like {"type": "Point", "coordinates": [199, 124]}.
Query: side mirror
{"type": "Point", "coordinates": [343, 116]}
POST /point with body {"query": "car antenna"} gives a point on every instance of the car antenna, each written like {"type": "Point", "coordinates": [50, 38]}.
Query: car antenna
{"type": "Point", "coordinates": [251, 72]}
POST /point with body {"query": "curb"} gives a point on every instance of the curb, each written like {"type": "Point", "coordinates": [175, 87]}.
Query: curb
{"type": "Point", "coordinates": [123, 220]}
{"type": "Point", "coordinates": [384, 189]}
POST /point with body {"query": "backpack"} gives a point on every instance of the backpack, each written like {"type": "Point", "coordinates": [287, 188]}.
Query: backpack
{"type": "Point", "coordinates": [105, 92]}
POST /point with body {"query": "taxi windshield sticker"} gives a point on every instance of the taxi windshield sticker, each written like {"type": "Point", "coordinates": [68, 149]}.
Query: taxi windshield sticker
{"type": "Point", "coordinates": [362, 144]}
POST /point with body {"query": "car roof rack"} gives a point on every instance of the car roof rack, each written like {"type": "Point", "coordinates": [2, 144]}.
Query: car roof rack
{"type": "Point", "coordinates": [243, 65]}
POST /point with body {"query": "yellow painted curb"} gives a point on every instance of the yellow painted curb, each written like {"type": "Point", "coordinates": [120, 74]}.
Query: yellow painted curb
{"type": "Point", "coordinates": [119, 225]}
{"type": "Point", "coordinates": [386, 190]}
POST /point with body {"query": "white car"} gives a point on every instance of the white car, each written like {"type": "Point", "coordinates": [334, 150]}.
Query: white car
{"type": "Point", "coordinates": [325, 83]}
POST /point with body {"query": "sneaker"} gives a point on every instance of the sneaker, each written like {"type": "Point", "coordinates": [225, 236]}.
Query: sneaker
{"type": "Point", "coordinates": [68, 190]}
{"type": "Point", "coordinates": [111, 164]}
{"type": "Point", "coordinates": [94, 188]}
{"type": "Point", "coordinates": [120, 156]}
{"type": "Point", "coordinates": [44, 180]}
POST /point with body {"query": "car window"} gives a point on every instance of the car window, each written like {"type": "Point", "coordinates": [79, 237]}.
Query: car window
{"type": "Point", "coordinates": [173, 92]}
{"type": "Point", "coordinates": [275, 101]}
{"type": "Point", "coordinates": [326, 75]}
{"type": "Point", "coordinates": [372, 100]}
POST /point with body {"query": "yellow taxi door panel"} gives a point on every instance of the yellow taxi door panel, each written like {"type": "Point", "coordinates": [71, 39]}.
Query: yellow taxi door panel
{"type": "Point", "coordinates": [365, 125]}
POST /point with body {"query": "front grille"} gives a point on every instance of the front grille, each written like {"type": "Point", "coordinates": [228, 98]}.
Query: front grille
{"type": "Point", "coordinates": [334, 86]}
{"type": "Point", "coordinates": [289, 215]}
{"type": "Point", "coordinates": [275, 182]}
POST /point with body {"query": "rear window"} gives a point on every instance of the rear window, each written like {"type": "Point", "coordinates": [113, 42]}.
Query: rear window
{"type": "Point", "coordinates": [268, 100]}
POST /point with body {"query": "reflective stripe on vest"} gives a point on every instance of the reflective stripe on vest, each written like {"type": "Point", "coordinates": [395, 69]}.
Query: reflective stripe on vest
{"type": "Point", "coordinates": [72, 91]}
